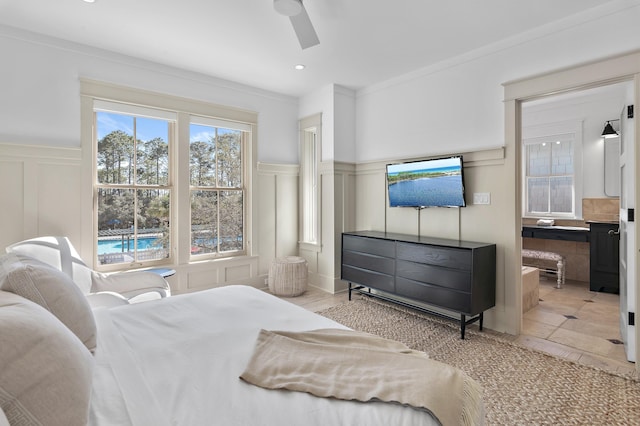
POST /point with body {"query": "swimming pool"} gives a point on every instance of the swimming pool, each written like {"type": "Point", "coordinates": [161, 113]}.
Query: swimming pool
{"type": "Point", "coordinates": [117, 246]}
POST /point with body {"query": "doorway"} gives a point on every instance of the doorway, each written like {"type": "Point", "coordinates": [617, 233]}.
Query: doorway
{"type": "Point", "coordinates": [595, 74]}
{"type": "Point", "coordinates": [571, 321]}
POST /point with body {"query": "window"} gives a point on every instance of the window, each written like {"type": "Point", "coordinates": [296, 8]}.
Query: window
{"type": "Point", "coordinates": [310, 144]}
{"type": "Point", "coordinates": [133, 185]}
{"type": "Point", "coordinates": [216, 186]}
{"type": "Point", "coordinates": [551, 165]}
{"type": "Point", "coordinates": [170, 177]}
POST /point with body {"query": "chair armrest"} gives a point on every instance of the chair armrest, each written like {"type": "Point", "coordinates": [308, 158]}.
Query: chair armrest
{"type": "Point", "coordinates": [130, 284]}
{"type": "Point", "coordinates": [106, 299]}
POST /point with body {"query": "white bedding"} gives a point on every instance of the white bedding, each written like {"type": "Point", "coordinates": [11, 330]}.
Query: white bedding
{"type": "Point", "coordinates": [177, 361]}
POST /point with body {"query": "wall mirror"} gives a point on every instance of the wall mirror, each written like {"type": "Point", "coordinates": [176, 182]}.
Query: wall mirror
{"type": "Point", "coordinates": [612, 167]}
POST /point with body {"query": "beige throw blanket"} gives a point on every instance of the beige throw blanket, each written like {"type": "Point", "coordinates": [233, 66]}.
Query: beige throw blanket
{"type": "Point", "coordinates": [350, 365]}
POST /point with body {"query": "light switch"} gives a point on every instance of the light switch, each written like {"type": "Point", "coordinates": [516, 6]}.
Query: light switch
{"type": "Point", "coordinates": [481, 198]}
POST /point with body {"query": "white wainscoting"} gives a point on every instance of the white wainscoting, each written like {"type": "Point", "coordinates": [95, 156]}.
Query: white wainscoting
{"type": "Point", "coordinates": [41, 193]}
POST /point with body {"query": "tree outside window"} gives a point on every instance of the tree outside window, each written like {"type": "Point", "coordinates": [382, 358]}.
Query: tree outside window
{"type": "Point", "coordinates": [133, 192]}
{"type": "Point", "coordinates": [217, 192]}
{"type": "Point", "coordinates": [151, 186]}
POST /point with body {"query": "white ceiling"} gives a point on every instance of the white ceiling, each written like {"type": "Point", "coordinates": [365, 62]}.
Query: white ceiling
{"type": "Point", "coordinates": [362, 42]}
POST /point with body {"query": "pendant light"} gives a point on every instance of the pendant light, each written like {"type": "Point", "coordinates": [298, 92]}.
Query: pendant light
{"type": "Point", "coordinates": [609, 131]}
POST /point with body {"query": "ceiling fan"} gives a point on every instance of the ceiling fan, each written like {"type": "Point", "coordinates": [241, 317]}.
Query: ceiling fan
{"type": "Point", "coordinates": [296, 12]}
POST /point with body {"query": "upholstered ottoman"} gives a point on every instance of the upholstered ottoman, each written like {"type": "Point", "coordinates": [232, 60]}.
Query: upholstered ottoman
{"type": "Point", "coordinates": [288, 276]}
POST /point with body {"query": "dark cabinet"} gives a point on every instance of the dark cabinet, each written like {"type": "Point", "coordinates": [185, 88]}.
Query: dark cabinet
{"type": "Point", "coordinates": [459, 276]}
{"type": "Point", "coordinates": [604, 258]}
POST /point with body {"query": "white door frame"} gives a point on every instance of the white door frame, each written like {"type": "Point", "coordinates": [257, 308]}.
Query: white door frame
{"type": "Point", "coordinates": [607, 71]}
{"type": "Point", "coordinates": [628, 285]}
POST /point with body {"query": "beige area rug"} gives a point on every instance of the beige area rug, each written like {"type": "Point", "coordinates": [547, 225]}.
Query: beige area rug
{"type": "Point", "coordinates": [521, 386]}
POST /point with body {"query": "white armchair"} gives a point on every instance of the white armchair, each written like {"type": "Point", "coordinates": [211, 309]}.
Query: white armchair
{"type": "Point", "coordinates": [101, 289]}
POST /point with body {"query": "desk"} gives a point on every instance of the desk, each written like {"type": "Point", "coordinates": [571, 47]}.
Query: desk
{"type": "Point", "coordinates": [571, 242]}
{"type": "Point", "coordinates": [563, 233]}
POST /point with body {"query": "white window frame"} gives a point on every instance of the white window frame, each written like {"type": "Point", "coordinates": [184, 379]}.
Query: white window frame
{"type": "Point", "coordinates": [135, 111]}
{"type": "Point", "coordinates": [310, 129]}
{"type": "Point", "coordinates": [184, 109]}
{"type": "Point", "coordinates": [246, 129]}
{"type": "Point", "coordinates": [549, 133]}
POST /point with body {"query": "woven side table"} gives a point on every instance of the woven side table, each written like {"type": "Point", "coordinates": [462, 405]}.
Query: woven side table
{"type": "Point", "coordinates": [288, 276]}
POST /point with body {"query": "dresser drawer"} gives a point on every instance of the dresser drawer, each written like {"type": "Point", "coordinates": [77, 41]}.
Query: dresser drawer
{"type": "Point", "coordinates": [369, 278]}
{"type": "Point", "coordinates": [443, 277]}
{"type": "Point", "coordinates": [434, 295]}
{"type": "Point", "coordinates": [432, 255]}
{"type": "Point", "coordinates": [386, 265]}
{"type": "Point", "coordinates": [386, 248]}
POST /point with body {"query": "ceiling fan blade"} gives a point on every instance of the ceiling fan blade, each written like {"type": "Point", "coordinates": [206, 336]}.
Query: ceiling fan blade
{"type": "Point", "coordinates": [304, 29]}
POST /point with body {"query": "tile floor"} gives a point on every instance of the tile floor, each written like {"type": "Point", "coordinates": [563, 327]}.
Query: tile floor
{"type": "Point", "coordinates": [577, 324]}
{"type": "Point", "coordinates": [571, 322]}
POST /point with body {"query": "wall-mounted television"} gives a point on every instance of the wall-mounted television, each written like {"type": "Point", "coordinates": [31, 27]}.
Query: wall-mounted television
{"type": "Point", "coordinates": [437, 182]}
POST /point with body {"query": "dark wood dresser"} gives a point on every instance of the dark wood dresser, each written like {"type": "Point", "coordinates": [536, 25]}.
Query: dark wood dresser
{"type": "Point", "coordinates": [458, 276]}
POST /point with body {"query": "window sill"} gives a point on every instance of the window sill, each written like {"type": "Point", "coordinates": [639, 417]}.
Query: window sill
{"type": "Point", "coordinates": [314, 247]}
{"type": "Point", "coordinates": [554, 217]}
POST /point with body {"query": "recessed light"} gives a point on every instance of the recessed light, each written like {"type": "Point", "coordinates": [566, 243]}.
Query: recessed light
{"type": "Point", "coordinates": [89, 1]}
{"type": "Point", "coordinates": [299, 67]}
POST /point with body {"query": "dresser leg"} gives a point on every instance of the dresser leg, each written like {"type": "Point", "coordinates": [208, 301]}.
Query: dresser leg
{"type": "Point", "coordinates": [463, 325]}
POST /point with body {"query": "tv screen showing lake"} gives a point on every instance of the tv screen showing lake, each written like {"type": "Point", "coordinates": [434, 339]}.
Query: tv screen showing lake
{"type": "Point", "coordinates": [445, 189]}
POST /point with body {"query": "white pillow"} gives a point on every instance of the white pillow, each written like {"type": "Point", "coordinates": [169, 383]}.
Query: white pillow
{"type": "Point", "coordinates": [51, 289]}
{"type": "Point", "coordinates": [46, 371]}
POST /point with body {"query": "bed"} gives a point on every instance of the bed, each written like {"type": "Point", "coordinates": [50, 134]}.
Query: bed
{"type": "Point", "coordinates": [178, 361]}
